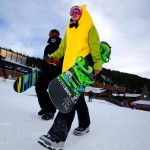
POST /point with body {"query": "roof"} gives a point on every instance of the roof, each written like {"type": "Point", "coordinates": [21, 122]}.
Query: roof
{"type": "Point", "coordinates": [126, 95]}
{"type": "Point", "coordinates": [147, 102]}
{"type": "Point", "coordinates": [95, 90]}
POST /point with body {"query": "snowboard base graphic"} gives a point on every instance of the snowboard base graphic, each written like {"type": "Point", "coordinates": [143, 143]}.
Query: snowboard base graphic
{"type": "Point", "coordinates": [26, 81]}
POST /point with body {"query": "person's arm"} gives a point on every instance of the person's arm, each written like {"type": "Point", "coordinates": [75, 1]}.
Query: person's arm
{"type": "Point", "coordinates": [94, 43]}
{"type": "Point", "coordinates": [59, 53]}
{"type": "Point", "coordinates": [46, 51]}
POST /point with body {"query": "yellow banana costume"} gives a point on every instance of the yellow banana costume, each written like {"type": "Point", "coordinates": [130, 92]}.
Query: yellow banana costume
{"type": "Point", "coordinates": [80, 41]}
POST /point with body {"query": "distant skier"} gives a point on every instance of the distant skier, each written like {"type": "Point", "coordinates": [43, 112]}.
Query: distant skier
{"type": "Point", "coordinates": [90, 96]}
{"type": "Point", "coordinates": [132, 105]}
{"type": "Point", "coordinates": [48, 72]}
{"type": "Point", "coordinates": [80, 39]}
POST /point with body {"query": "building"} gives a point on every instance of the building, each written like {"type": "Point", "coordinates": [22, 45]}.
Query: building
{"type": "Point", "coordinates": [12, 65]}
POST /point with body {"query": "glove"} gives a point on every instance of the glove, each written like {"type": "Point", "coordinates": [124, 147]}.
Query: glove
{"type": "Point", "coordinates": [96, 72]}
{"type": "Point", "coordinates": [49, 59]}
{"type": "Point", "coordinates": [56, 61]}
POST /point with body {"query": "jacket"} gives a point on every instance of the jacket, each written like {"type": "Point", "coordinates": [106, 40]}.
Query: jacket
{"type": "Point", "coordinates": [49, 49]}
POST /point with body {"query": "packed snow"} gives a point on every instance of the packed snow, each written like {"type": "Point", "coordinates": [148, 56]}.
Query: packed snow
{"type": "Point", "coordinates": [112, 127]}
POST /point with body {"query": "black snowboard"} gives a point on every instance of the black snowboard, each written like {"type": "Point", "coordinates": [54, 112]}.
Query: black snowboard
{"type": "Point", "coordinates": [65, 89]}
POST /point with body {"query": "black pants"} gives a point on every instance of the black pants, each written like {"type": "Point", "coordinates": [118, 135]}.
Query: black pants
{"type": "Point", "coordinates": [42, 94]}
{"type": "Point", "coordinates": [63, 122]}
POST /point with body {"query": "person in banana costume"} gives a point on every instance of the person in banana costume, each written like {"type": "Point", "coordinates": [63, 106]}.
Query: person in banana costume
{"type": "Point", "coordinates": [80, 39]}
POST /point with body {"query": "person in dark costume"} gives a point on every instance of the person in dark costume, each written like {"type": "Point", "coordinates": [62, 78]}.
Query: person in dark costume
{"type": "Point", "coordinates": [48, 72]}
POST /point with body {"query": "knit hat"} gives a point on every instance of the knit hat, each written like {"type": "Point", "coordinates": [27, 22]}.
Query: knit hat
{"type": "Point", "coordinates": [54, 30]}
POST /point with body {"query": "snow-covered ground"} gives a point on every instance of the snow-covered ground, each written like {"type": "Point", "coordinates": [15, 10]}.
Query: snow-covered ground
{"type": "Point", "coordinates": [112, 127]}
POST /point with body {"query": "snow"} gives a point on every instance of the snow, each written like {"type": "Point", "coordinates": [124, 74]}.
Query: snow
{"type": "Point", "coordinates": [112, 127]}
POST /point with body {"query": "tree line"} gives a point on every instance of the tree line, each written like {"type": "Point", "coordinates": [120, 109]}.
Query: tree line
{"type": "Point", "coordinates": [132, 83]}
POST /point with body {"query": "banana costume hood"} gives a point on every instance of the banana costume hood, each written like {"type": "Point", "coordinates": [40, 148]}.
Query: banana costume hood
{"type": "Point", "coordinates": [77, 42]}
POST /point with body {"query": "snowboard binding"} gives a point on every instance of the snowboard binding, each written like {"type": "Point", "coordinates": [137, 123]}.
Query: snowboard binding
{"type": "Point", "coordinates": [83, 72]}
{"type": "Point", "coordinates": [105, 50]}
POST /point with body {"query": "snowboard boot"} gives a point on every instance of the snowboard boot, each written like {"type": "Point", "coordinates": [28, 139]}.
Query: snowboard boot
{"type": "Point", "coordinates": [41, 112]}
{"type": "Point", "coordinates": [51, 143]}
{"type": "Point", "coordinates": [81, 131]}
{"type": "Point", "coordinates": [48, 116]}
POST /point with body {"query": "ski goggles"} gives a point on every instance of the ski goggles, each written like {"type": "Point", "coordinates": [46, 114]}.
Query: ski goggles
{"type": "Point", "coordinates": [53, 34]}
{"type": "Point", "coordinates": [75, 10]}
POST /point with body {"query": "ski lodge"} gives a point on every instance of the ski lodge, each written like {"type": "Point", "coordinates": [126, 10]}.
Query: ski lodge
{"type": "Point", "coordinates": [115, 96]}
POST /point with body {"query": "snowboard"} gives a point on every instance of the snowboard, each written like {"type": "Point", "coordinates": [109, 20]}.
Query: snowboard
{"type": "Point", "coordinates": [66, 89]}
{"type": "Point", "coordinates": [26, 81]}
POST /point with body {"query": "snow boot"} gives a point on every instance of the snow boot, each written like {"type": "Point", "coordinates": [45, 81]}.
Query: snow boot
{"type": "Point", "coordinates": [41, 112]}
{"type": "Point", "coordinates": [81, 131]}
{"type": "Point", "coordinates": [51, 143]}
{"type": "Point", "coordinates": [48, 116]}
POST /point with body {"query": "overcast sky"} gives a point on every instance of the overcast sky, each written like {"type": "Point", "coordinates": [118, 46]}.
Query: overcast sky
{"type": "Point", "coordinates": [124, 24]}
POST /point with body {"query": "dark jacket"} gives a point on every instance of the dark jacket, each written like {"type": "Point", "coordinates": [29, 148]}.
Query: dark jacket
{"type": "Point", "coordinates": [49, 49]}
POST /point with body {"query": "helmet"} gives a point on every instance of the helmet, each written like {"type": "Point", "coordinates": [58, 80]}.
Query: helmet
{"type": "Point", "coordinates": [105, 51]}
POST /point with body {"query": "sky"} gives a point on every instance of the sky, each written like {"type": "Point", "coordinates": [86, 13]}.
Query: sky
{"type": "Point", "coordinates": [125, 25]}
{"type": "Point", "coordinates": [112, 127]}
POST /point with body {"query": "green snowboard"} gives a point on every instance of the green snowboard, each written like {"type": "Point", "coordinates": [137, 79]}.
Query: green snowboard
{"type": "Point", "coordinates": [66, 89]}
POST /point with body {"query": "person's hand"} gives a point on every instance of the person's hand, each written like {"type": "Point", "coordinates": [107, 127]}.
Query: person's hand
{"type": "Point", "coordinates": [49, 59]}
{"type": "Point", "coordinates": [56, 62]}
{"type": "Point", "coordinates": [96, 72]}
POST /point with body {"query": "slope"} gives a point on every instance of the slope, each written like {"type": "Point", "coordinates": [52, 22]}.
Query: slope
{"type": "Point", "coordinates": [112, 127]}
